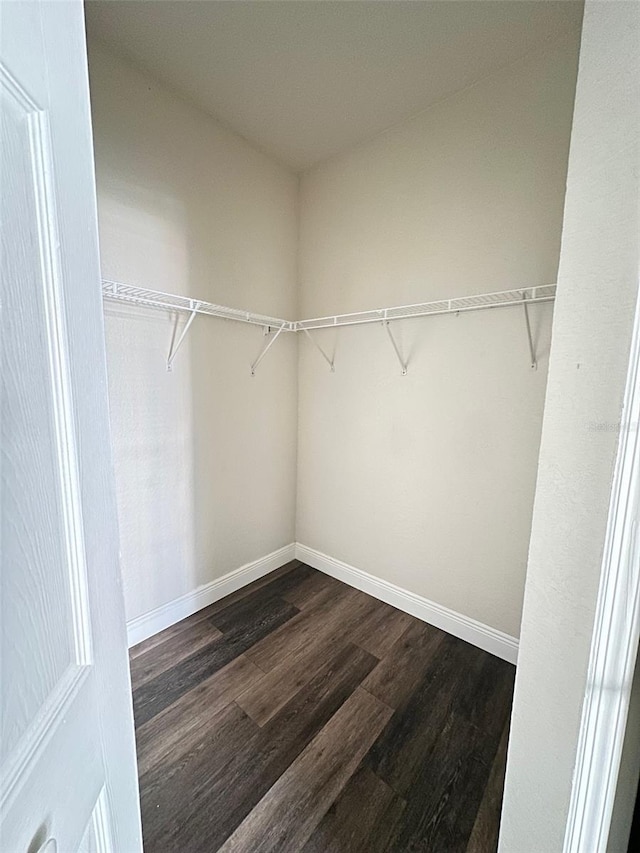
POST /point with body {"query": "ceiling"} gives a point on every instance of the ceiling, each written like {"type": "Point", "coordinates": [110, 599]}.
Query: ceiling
{"type": "Point", "coordinates": [305, 80]}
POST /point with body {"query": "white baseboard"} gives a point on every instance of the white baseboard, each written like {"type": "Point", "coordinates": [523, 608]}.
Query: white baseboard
{"type": "Point", "coordinates": [491, 640]}
{"type": "Point", "coordinates": [157, 620]}
{"type": "Point", "coordinates": [487, 638]}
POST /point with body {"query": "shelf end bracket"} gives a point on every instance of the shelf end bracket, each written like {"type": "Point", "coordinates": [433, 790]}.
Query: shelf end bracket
{"type": "Point", "coordinates": [403, 364]}
{"type": "Point", "coordinates": [532, 353]}
{"type": "Point", "coordinates": [175, 345]}
{"type": "Point", "coordinates": [265, 349]}
{"type": "Point", "coordinates": [319, 348]}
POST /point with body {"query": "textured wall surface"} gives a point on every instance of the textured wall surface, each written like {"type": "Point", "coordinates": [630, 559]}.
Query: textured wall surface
{"type": "Point", "coordinates": [205, 456]}
{"type": "Point", "coordinates": [427, 480]}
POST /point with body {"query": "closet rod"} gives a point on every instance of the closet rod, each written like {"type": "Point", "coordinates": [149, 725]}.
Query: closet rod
{"type": "Point", "coordinates": [499, 299]}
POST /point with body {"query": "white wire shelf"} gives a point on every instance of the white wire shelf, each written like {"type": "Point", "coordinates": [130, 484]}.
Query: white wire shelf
{"type": "Point", "coordinates": [118, 292]}
{"type": "Point", "coordinates": [499, 299]}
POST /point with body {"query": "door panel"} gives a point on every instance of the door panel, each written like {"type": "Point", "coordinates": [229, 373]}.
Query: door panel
{"type": "Point", "coordinates": [68, 776]}
{"type": "Point", "coordinates": [45, 624]}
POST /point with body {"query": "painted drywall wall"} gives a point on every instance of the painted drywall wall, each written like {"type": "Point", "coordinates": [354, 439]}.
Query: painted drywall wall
{"type": "Point", "coordinates": [597, 293]}
{"type": "Point", "coordinates": [427, 480]}
{"type": "Point", "coordinates": [205, 456]}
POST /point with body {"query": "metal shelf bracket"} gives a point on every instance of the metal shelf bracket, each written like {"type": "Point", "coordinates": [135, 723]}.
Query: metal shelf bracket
{"type": "Point", "coordinates": [403, 364]}
{"type": "Point", "coordinates": [320, 350]}
{"type": "Point", "coordinates": [532, 354]}
{"type": "Point", "coordinates": [267, 346]}
{"type": "Point", "coordinates": [175, 345]}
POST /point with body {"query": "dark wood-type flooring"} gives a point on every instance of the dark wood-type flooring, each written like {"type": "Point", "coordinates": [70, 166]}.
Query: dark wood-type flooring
{"type": "Point", "coordinates": [300, 714]}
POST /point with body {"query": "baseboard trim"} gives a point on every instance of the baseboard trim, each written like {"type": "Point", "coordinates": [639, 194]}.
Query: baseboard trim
{"type": "Point", "coordinates": [157, 620]}
{"type": "Point", "coordinates": [491, 640]}
{"type": "Point", "coordinates": [483, 636]}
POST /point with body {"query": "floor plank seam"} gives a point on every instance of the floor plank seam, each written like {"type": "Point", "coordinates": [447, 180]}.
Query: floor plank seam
{"type": "Point", "coordinates": [378, 699]}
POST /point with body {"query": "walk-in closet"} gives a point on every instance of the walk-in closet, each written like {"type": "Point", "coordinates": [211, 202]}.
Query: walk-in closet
{"type": "Point", "coordinates": [341, 252]}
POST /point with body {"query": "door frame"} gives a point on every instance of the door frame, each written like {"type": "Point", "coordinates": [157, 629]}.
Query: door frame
{"type": "Point", "coordinates": [614, 643]}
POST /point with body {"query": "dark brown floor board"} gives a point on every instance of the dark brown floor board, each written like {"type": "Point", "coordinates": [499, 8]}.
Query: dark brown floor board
{"type": "Point", "coordinates": [327, 608]}
{"type": "Point", "coordinates": [378, 632]}
{"type": "Point", "coordinates": [493, 695]}
{"type": "Point", "coordinates": [387, 827]}
{"type": "Point", "coordinates": [446, 794]}
{"type": "Point", "coordinates": [145, 646]}
{"type": "Point", "coordinates": [303, 593]}
{"type": "Point", "coordinates": [401, 751]}
{"type": "Point", "coordinates": [403, 668]}
{"type": "Point", "coordinates": [438, 750]}
{"type": "Point", "coordinates": [292, 808]}
{"type": "Point", "coordinates": [170, 790]}
{"type": "Point", "coordinates": [170, 652]}
{"type": "Point", "coordinates": [292, 584]}
{"type": "Point", "coordinates": [174, 731]}
{"type": "Point", "coordinates": [234, 612]}
{"type": "Point", "coordinates": [351, 821]}
{"type": "Point", "coordinates": [263, 699]}
{"type": "Point", "coordinates": [244, 592]}
{"type": "Point", "coordinates": [321, 638]}
{"type": "Point", "coordinates": [484, 837]}
{"type": "Point", "coordinates": [160, 692]}
{"type": "Point", "coordinates": [232, 790]}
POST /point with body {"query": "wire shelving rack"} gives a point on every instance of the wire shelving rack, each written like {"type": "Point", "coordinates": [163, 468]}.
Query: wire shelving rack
{"type": "Point", "coordinates": [119, 292]}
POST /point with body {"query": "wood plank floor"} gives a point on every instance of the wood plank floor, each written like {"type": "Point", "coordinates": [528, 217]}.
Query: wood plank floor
{"type": "Point", "coordinates": [299, 714]}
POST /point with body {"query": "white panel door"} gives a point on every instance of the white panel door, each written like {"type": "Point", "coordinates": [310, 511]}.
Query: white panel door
{"type": "Point", "coordinates": [68, 773]}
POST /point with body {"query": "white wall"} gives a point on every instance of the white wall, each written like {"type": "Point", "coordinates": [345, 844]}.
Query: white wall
{"type": "Point", "coordinates": [597, 293]}
{"type": "Point", "coordinates": [205, 456]}
{"type": "Point", "coordinates": [427, 480]}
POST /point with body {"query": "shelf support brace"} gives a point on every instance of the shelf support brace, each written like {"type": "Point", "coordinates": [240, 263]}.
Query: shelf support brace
{"type": "Point", "coordinates": [403, 364]}
{"type": "Point", "coordinates": [532, 354]}
{"type": "Point", "coordinates": [265, 349]}
{"type": "Point", "coordinates": [319, 348]}
{"type": "Point", "coordinates": [175, 345]}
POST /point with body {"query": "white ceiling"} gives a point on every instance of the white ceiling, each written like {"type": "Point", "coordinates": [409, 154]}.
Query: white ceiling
{"type": "Point", "coordinates": [304, 80]}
